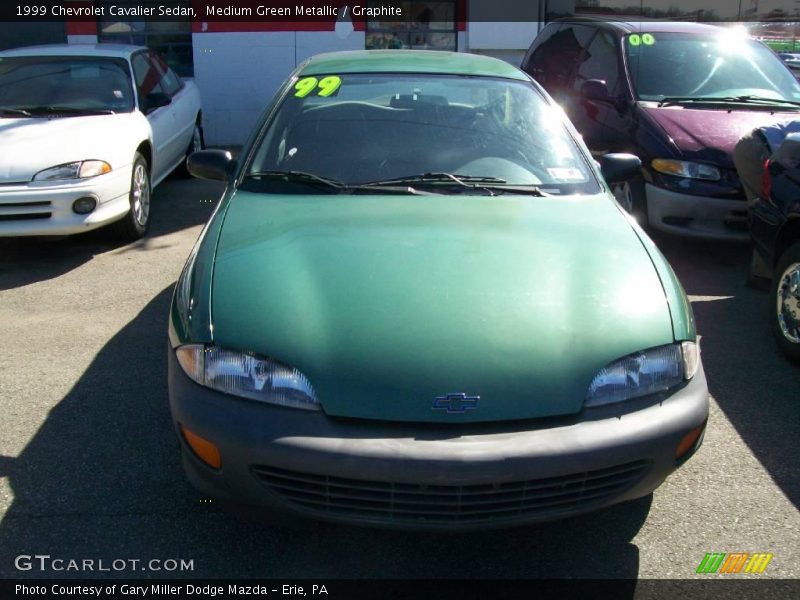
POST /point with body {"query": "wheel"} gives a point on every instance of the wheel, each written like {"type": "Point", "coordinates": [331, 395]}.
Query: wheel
{"type": "Point", "coordinates": [196, 144]}
{"type": "Point", "coordinates": [785, 303]}
{"type": "Point", "coordinates": [630, 195]}
{"type": "Point", "coordinates": [134, 224]}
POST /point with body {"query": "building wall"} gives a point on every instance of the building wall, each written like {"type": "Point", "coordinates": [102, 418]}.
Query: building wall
{"type": "Point", "coordinates": [14, 35]}
{"type": "Point", "coordinates": [239, 72]}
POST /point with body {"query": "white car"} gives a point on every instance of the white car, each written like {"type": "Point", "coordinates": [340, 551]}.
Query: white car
{"type": "Point", "coordinates": [86, 131]}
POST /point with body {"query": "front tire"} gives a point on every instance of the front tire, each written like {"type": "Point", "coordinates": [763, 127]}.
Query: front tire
{"type": "Point", "coordinates": [631, 196]}
{"type": "Point", "coordinates": [134, 224]}
{"type": "Point", "coordinates": [196, 144]}
{"type": "Point", "coordinates": [785, 303]}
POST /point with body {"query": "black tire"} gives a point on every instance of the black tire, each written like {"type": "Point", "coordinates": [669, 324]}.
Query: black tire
{"type": "Point", "coordinates": [197, 142]}
{"type": "Point", "coordinates": [631, 196]}
{"type": "Point", "coordinates": [134, 224]}
{"type": "Point", "coordinates": [785, 303]}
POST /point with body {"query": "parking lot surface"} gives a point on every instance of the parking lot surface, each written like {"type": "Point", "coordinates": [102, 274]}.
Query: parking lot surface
{"type": "Point", "coordinates": [89, 463]}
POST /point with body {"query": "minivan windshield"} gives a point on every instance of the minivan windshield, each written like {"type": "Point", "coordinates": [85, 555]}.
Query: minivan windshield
{"type": "Point", "coordinates": [440, 132]}
{"type": "Point", "coordinates": [728, 65]}
{"type": "Point", "coordinates": [64, 86]}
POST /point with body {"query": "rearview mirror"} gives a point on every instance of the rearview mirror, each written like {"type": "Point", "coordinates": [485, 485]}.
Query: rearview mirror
{"type": "Point", "coordinates": [211, 164]}
{"type": "Point", "coordinates": [619, 167]}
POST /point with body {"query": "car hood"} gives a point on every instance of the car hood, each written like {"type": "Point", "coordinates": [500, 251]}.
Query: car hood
{"type": "Point", "coordinates": [387, 302]}
{"type": "Point", "coordinates": [711, 134]}
{"type": "Point", "coordinates": [29, 145]}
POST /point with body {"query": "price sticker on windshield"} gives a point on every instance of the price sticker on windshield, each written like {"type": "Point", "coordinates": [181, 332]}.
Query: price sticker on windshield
{"type": "Point", "coordinates": [648, 39]}
{"type": "Point", "coordinates": [327, 86]}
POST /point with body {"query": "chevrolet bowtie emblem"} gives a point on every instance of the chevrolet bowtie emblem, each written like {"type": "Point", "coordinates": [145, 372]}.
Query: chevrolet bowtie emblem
{"type": "Point", "coordinates": [456, 403]}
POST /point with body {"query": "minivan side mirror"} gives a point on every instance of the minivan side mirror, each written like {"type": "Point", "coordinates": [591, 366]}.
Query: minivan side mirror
{"type": "Point", "coordinates": [619, 167]}
{"type": "Point", "coordinates": [595, 89]}
{"type": "Point", "coordinates": [211, 164]}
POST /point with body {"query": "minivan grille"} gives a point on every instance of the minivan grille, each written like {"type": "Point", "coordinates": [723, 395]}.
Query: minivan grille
{"type": "Point", "coordinates": [433, 504]}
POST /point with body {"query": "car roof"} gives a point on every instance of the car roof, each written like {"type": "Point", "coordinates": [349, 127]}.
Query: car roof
{"type": "Point", "coordinates": [409, 61]}
{"type": "Point", "coordinates": [626, 27]}
{"type": "Point", "coordinates": [109, 50]}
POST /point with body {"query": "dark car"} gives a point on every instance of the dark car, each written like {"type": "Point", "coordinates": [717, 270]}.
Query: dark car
{"type": "Point", "coordinates": [775, 231]}
{"type": "Point", "coordinates": [678, 95]}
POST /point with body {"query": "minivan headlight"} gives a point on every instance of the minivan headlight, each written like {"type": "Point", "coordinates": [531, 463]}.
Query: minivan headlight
{"type": "Point", "coordinates": [75, 170]}
{"type": "Point", "coordinates": [689, 170]}
{"type": "Point", "coordinates": [247, 375]}
{"type": "Point", "coordinates": [644, 373]}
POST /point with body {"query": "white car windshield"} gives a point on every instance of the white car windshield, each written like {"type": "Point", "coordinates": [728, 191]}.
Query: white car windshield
{"type": "Point", "coordinates": [360, 129]}
{"type": "Point", "coordinates": [63, 86]}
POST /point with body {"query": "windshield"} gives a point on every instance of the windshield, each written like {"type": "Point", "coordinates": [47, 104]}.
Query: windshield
{"type": "Point", "coordinates": [687, 65]}
{"type": "Point", "coordinates": [366, 128]}
{"type": "Point", "coordinates": [74, 85]}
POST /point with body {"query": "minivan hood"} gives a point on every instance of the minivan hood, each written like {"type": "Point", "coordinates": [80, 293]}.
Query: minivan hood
{"type": "Point", "coordinates": [711, 134]}
{"type": "Point", "coordinates": [386, 302]}
{"type": "Point", "coordinates": [30, 145]}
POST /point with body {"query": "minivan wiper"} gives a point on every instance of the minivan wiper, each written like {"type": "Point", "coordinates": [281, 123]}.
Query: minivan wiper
{"type": "Point", "coordinates": [14, 111]}
{"type": "Point", "coordinates": [746, 99]}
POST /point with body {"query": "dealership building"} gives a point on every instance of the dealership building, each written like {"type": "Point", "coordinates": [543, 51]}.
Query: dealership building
{"type": "Point", "coordinates": [238, 58]}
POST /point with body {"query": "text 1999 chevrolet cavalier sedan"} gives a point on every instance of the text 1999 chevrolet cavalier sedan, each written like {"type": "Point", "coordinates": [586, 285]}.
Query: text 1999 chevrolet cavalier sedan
{"type": "Point", "coordinates": [417, 304]}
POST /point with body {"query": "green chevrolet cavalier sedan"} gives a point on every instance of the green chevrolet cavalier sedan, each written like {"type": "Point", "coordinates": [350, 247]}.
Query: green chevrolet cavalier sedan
{"type": "Point", "coordinates": [418, 304]}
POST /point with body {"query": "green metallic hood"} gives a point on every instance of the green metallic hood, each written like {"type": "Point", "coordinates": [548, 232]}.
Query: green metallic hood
{"type": "Point", "coordinates": [386, 302]}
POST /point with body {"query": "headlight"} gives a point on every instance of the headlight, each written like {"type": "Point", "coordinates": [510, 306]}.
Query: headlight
{"type": "Point", "coordinates": [644, 373]}
{"type": "Point", "coordinates": [247, 375]}
{"type": "Point", "coordinates": [690, 170]}
{"type": "Point", "coordinates": [74, 170]}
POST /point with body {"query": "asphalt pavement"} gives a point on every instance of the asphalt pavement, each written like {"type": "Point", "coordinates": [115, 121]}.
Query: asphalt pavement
{"type": "Point", "coordinates": [89, 464]}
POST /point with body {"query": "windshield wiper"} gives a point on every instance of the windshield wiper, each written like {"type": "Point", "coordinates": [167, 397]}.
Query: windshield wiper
{"type": "Point", "coordinates": [461, 180]}
{"type": "Point", "coordinates": [299, 176]}
{"type": "Point", "coordinates": [470, 182]}
{"type": "Point", "coordinates": [327, 182]}
{"type": "Point", "coordinates": [747, 99]}
{"type": "Point", "coordinates": [67, 110]}
{"type": "Point", "coordinates": [14, 111]}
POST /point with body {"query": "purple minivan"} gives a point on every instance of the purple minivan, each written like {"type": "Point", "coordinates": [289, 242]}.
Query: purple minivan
{"type": "Point", "coordinates": [679, 96]}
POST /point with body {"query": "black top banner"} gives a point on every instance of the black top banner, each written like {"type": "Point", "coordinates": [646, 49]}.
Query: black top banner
{"type": "Point", "coordinates": [394, 11]}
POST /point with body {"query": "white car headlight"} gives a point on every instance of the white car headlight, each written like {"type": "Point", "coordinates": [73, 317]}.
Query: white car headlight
{"type": "Point", "coordinates": [643, 373]}
{"type": "Point", "coordinates": [247, 375]}
{"type": "Point", "coordinates": [690, 170]}
{"type": "Point", "coordinates": [74, 170]}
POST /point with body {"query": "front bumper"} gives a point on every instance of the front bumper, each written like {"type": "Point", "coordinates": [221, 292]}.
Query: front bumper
{"type": "Point", "coordinates": [46, 209]}
{"type": "Point", "coordinates": [696, 216]}
{"type": "Point", "coordinates": [432, 476]}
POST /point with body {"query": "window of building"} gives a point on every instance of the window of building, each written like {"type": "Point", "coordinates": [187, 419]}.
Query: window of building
{"type": "Point", "coordinates": [425, 25]}
{"type": "Point", "coordinates": [172, 40]}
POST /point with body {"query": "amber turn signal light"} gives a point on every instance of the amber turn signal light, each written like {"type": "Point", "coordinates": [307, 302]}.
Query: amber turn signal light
{"type": "Point", "coordinates": [688, 441]}
{"type": "Point", "coordinates": [205, 450]}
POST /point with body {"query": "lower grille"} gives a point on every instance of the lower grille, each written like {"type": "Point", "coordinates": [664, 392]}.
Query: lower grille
{"type": "Point", "coordinates": [23, 211]}
{"type": "Point", "coordinates": [435, 504]}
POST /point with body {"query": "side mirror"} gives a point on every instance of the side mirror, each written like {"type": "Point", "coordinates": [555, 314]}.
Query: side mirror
{"type": "Point", "coordinates": [595, 89]}
{"type": "Point", "coordinates": [155, 100]}
{"type": "Point", "coordinates": [211, 164]}
{"type": "Point", "coordinates": [617, 168]}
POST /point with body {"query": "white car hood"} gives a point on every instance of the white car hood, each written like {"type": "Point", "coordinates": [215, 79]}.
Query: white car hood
{"type": "Point", "coordinates": [29, 145]}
